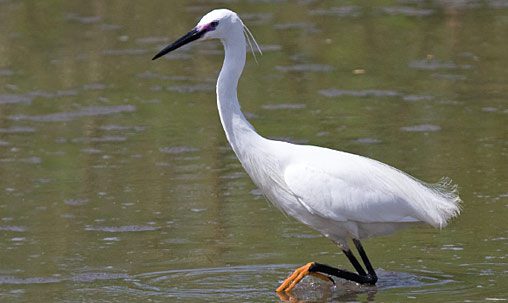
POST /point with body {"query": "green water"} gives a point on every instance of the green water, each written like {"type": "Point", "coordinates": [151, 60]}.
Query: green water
{"type": "Point", "coordinates": [118, 185]}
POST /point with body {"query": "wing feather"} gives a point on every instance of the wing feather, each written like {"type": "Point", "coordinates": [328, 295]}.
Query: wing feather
{"type": "Point", "coordinates": [343, 198]}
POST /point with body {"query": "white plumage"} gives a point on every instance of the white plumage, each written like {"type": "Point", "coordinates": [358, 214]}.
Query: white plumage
{"type": "Point", "coordinates": [342, 195]}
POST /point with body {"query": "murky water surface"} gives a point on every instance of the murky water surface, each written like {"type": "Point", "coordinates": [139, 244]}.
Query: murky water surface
{"type": "Point", "coordinates": [117, 183]}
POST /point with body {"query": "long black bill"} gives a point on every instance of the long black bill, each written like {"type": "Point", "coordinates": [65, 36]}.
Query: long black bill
{"type": "Point", "coordinates": [189, 37]}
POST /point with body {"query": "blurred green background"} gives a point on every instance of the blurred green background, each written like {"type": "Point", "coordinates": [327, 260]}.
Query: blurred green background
{"type": "Point", "coordinates": [117, 183]}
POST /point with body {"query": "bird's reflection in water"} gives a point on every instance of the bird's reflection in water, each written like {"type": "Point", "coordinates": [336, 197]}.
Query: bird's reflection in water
{"type": "Point", "coordinates": [314, 290]}
{"type": "Point", "coordinates": [343, 291]}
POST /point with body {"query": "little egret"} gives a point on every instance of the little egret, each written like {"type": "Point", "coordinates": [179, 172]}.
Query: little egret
{"type": "Point", "coordinates": [343, 196]}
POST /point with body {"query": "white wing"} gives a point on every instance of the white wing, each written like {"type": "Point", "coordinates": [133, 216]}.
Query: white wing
{"type": "Point", "coordinates": [347, 187]}
{"type": "Point", "coordinates": [340, 200]}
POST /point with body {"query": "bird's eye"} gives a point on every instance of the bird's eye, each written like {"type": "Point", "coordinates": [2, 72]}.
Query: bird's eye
{"type": "Point", "coordinates": [214, 24]}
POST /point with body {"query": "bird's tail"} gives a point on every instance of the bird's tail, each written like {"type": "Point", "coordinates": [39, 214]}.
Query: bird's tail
{"type": "Point", "coordinates": [448, 204]}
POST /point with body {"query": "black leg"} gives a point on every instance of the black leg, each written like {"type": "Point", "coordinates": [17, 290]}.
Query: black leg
{"type": "Point", "coordinates": [344, 274]}
{"type": "Point", "coordinates": [354, 261]}
{"type": "Point", "coordinates": [361, 277]}
{"type": "Point", "coordinates": [365, 259]}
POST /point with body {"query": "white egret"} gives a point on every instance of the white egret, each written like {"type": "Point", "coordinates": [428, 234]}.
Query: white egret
{"type": "Point", "coordinates": [343, 196]}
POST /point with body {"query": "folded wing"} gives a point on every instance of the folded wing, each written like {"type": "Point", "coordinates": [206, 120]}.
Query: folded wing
{"type": "Point", "coordinates": [347, 187]}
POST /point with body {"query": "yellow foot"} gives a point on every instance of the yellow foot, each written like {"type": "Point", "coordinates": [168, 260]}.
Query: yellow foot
{"type": "Point", "coordinates": [298, 275]}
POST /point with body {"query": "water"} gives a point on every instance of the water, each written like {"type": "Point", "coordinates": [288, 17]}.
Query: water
{"type": "Point", "coordinates": [117, 183]}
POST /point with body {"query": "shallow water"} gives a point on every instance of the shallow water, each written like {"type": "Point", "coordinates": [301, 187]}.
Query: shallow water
{"type": "Point", "coordinates": [117, 183]}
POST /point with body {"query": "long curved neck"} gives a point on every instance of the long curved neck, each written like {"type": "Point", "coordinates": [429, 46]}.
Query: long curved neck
{"type": "Point", "coordinates": [239, 132]}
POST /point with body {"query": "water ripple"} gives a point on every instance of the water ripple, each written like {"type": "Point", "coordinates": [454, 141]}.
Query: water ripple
{"type": "Point", "coordinates": [83, 19]}
{"type": "Point", "coordinates": [12, 228]}
{"type": "Point", "coordinates": [283, 106]}
{"type": "Point", "coordinates": [315, 68]}
{"type": "Point", "coordinates": [122, 229]}
{"type": "Point", "coordinates": [333, 92]}
{"type": "Point", "coordinates": [178, 149]}
{"type": "Point", "coordinates": [4, 72]}
{"type": "Point", "coordinates": [243, 283]}
{"type": "Point", "coordinates": [421, 128]}
{"type": "Point", "coordinates": [15, 99]}
{"type": "Point", "coordinates": [191, 88]}
{"type": "Point", "coordinates": [341, 11]}
{"type": "Point", "coordinates": [17, 130]}
{"type": "Point", "coordinates": [367, 140]}
{"type": "Point", "coordinates": [434, 64]}
{"type": "Point", "coordinates": [83, 112]}
{"type": "Point", "coordinates": [407, 11]}
{"type": "Point", "coordinates": [80, 277]}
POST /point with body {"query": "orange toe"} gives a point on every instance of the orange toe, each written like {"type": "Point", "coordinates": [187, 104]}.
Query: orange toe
{"type": "Point", "coordinates": [297, 276]}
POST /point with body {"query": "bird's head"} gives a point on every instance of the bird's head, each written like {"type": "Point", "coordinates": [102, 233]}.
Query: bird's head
{"type": "Point", "coordinates": [217, 24]}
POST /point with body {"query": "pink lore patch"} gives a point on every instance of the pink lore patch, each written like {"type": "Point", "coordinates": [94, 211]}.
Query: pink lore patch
{"type": "Point", "coordinates": [205, 27]}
